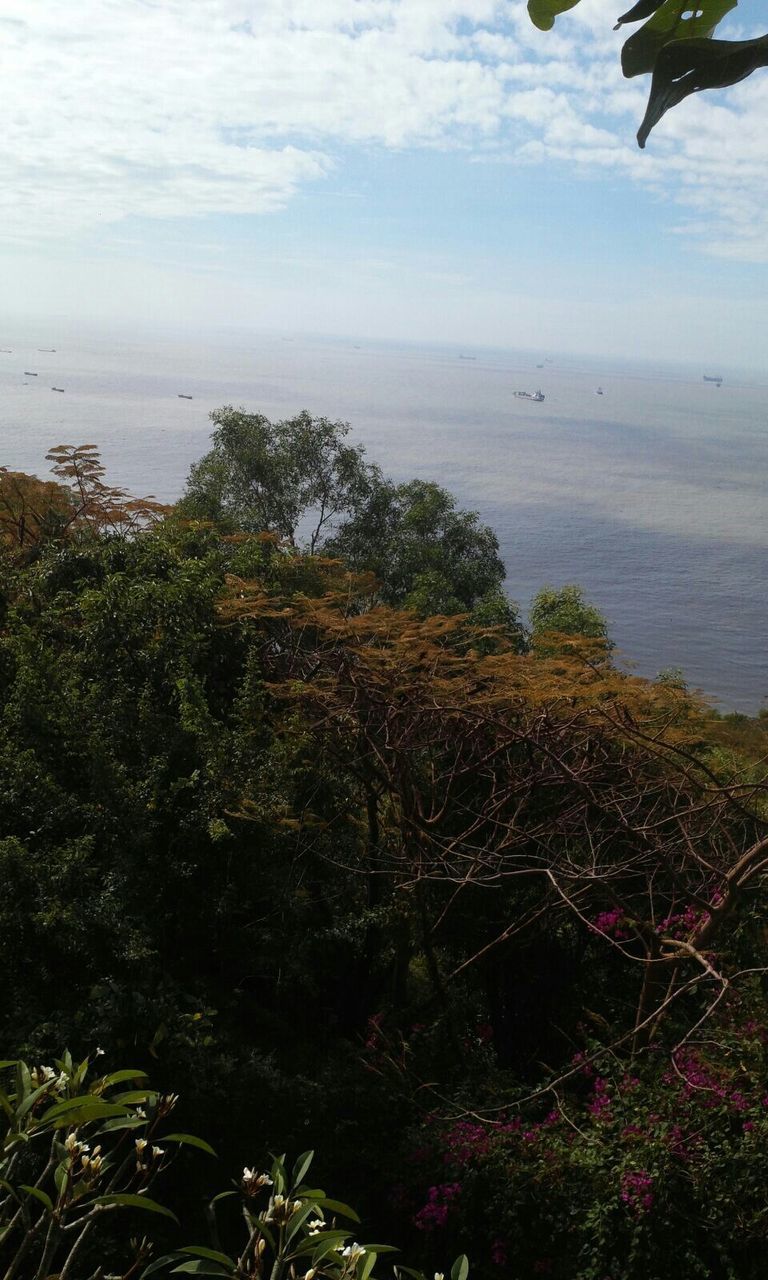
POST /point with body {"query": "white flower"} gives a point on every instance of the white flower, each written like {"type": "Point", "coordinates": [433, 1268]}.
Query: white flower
{"type": "Point", "coordinates": [353, 1251]}
{"type": "Point", "coordinates": [315, 1225]}
{"type": "Point", "coordinates": [141, 1144]}
{"type": "Point", "coordinates": [99, 1052]}
{"type": "Point", "coordinates": [158, 1152]}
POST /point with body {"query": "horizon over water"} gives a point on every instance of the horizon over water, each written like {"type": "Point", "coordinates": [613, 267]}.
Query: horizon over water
{"type": "Point", "coordinates": [652, 496]}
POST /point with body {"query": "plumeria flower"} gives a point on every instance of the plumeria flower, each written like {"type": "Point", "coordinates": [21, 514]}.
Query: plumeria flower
{"type": "Point", "coordinates": [315, 1225]}
{"type": "Point", "coordinates": [353, 1251]}
{"type": "Point", "coordinates": [158, 1152]}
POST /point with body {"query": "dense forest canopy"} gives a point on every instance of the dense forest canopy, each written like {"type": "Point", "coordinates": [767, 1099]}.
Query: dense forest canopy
{"type": "Point", "coordinates": [301, 820]}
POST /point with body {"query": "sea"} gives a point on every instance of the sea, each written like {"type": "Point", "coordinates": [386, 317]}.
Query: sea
{"type": "Point", "coordinates": [652, 495]}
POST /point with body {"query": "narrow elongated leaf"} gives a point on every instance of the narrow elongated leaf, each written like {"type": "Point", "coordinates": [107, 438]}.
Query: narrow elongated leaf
{"type": "Point", "coordinates": [159, 1263]}
{"type": "Point", "coordinates": [320, 1238]}
{"type": "Point", "coordinates": [125, 1200]}
{"type": "Point", "coordinates": [74, 1104]}
{"type": "Point", "coordinates": [338, 1206]}
{"type": "Point", "coordinates": [190, 1140]}
{"type": "Point", "coordinates": [297, 1221]}
{"type": "Point", "coordinates": [133, 1097]}
{"type": "Point", "coordinates": [31, 1099]}
{"type": "Point", "coordinates": [199, 1269]}
{"type": "Point", "coordinates": [83, 1114]}
{"type": "Point", "coordinates": [673, 20]}
{"type": "Point", "coordinates": [124, 1122]}
{"type": "Point", "coordinates": [301, 1167]}
{"type": "Point", "coordinates": [365, 1265]}
{"type": "Point", "coordinates": [117, 1077]}
{"type": "Point", "coordinates": [223, 1195]}
{"type": "Point", "coordinates": [688, 66]}
{"type": "Point", "coordinates": [39, 1195]}
{"type": "Point", "coordinates": [544, 12]}
{"type": "Point", "coordinates": [201, 1251]}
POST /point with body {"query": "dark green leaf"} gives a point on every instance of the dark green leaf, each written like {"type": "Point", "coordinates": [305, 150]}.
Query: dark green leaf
{"type": "Point", "coordinates": [301, 1167]}
{"type": "Point", "coordinates": [128, 1201]}
{"type": "Point", "coordinates": [39, 1195]}
{"type": "Point", "coordinates": [544, 12]}
{"type": "Point", "coordinates": [337, 1206]}
{"type": "Point", "coordinates": [460, 1268]}
{"type": "Point", "coordinates": [190, 1140]}
{"type": "Point", "coordinates": [687, 66]}
{"type": "Point", "coordinates": [117, 1077]}
{"type": "Point", "coordinates": [201, 1251]}
{"type": "Point", "coordinates": [673, 20]}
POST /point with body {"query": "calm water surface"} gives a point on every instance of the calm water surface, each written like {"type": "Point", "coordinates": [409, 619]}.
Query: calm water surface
{"type": "Point", "coordinates": [652, 496]}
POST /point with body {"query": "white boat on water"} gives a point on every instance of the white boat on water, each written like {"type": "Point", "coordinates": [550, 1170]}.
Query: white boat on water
{"type": "Point", "coordinates": [538, 396]}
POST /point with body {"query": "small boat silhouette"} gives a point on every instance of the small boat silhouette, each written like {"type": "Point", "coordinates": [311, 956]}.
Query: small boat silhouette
{"type": "Point", "coordinates": [181, 396]}
{"type": "Point", "coordinates": [57, 388]}
{"type": "Point", "coordinates": [28, 374]}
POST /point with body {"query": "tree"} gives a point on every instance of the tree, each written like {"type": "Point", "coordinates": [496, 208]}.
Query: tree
{"type": "Point", "coordinates": [428, 555]}
{"type": "Point", "coordinates": [300, 480]}
{"type": "Point", "coordinates": [287, 477]}
{"type": "Point", "coordinates": [564, 610]}
{"type": "Point", "coordinates": [675, 46]}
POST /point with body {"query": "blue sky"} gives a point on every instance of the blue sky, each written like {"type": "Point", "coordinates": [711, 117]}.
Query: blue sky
{"type": "Point", "coordinates": [428, 170]}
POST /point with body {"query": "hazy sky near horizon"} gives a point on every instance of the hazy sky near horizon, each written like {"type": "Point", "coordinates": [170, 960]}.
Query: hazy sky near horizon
{"type": "Point", "coordinates": [433, 170]}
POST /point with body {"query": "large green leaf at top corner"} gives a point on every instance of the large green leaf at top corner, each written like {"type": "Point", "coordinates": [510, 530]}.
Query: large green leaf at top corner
{"type": "Point", "coordinates": [673, 20]}
{"type": "Point", "coordinates": [543, 12]}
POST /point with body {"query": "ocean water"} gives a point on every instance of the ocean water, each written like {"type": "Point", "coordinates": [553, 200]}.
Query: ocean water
{"type": "Point", "coordinates": [652, 496]}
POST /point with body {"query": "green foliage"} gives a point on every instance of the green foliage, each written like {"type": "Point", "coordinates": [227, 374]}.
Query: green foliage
{"type": "Point", "coordinates": [427, 555]}
{"type": "Point", "coordinates": [674, 44]}
{"type": "Point", "coordinates": [291, 478]}
{"type": "Point", "coordinates": [73, 1153]}
{"type": "Point", "coordinates": [342, 866]}
{"type": "Point", "coordinates": [655, 1168]}
{"type": "Point", "coordinates": [564, 611]}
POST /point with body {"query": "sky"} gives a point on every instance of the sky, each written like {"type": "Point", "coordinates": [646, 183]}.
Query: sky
{"type": "Point", "coordinates": [411, 170]}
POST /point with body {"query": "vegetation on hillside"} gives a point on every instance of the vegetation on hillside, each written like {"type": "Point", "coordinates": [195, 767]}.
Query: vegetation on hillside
{"type": "Point", "coordinates": [301, 820]}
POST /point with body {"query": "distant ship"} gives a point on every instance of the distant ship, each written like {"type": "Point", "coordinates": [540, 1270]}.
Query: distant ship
{"type": "Point", "coordinates": [181, 396]}
{"type": "Point", "coordinates": [47, 350]}
{"type": "Point", "coordinates": [57, 388]}
{"type": "Point", "coordinates": [538, 396]}
{"type": "Point", "coordinates": [716, 378]}
{"type": "Point", "coordinates": [467, 357]}
{"type": "Point", "coordinates": [599, 391]}
{"type": "Point", "coordinates": [29, 374]}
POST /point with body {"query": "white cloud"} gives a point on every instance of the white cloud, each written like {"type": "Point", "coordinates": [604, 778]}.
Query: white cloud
{"type": "Point", "coordinates": [165, 108]}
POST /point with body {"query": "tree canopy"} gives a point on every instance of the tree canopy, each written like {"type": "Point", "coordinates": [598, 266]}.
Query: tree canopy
{"type": "Point", "coordinates": [300, 480]}
{"type": "Point", "coordinates": [344, 869]}
{"type": "Point", "coordinates": [675, 46]}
